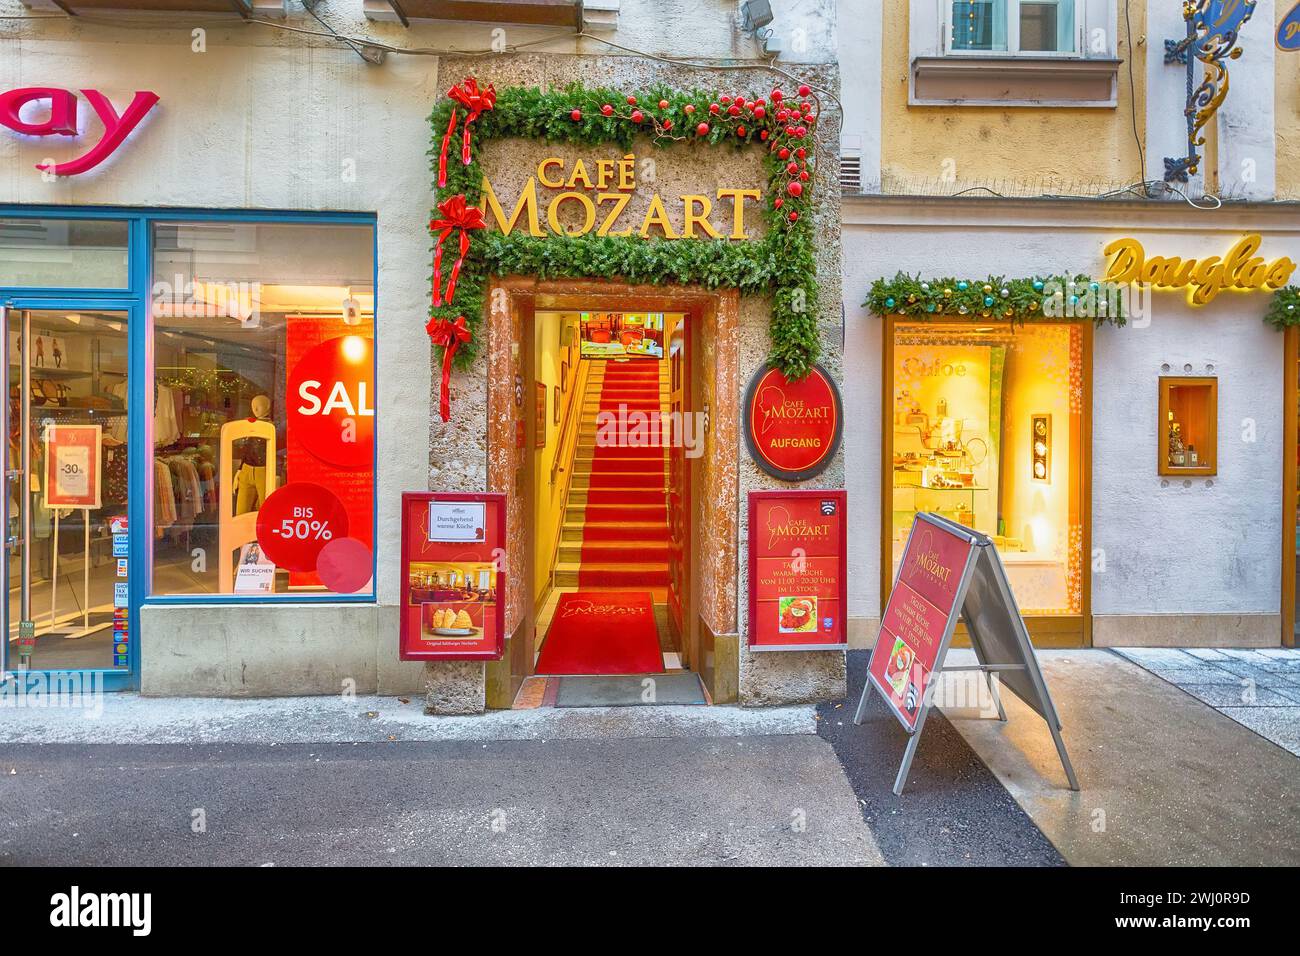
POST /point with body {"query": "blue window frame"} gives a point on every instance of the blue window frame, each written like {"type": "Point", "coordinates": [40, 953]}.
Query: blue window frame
{"type": "Point", "coordinates": [134, 300]}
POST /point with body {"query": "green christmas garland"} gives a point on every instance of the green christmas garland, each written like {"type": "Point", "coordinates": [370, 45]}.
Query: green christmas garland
{"type": "Point", "coordinates": [1036, 299]}
{"type": "Point", "coordinates": [781, 263]}
{"type": "Point", "coordinates": [1284, 309]}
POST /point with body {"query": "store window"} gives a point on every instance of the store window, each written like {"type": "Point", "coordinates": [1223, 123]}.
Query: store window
{"type": "Point", "coordinates": [1012, 26]}
{"type": "Point", "coordinates": [987, 431]}
{"type": "Point", "coordinates": [63, 253]}
{"type": "Point", "coordinates": [264, 408]}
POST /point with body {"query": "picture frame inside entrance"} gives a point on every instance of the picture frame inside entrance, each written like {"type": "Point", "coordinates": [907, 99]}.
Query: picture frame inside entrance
{"type": "Point", "coordinates": [539, 419]}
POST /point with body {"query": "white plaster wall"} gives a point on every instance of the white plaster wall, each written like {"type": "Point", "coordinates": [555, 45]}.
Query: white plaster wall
{"type": "Point", "coordinates": [1213, 547]}
{"type": "Point", "coordinates": [859, 40]}
{"type": "Point", "coordinates": [1247, 143]}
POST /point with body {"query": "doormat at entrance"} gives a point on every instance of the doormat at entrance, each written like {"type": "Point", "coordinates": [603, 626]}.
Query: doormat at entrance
{"type": "Point", "coordinates": [602, 632]}
{"type": "Point", "coordinates": [632, 691]}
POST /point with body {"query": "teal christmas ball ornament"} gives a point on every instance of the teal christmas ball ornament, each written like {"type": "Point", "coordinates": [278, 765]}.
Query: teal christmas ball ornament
{"type": "Point", "coordinates": [988, 300]}
{"type": "Point", "coordinates": [889, 302]}
{"type": "Point", "coordinates": [963, 286]}
{"type": "Point", "coordinates": [1038, 285]}
{"type": "Point", "coordinates": [1093, 286]}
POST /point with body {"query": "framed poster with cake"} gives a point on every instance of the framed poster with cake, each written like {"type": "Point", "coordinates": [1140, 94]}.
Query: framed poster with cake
{"type": "Point", "coordinates": [453, 582]}
{"type": "Point", "coordinates": [798, 576]}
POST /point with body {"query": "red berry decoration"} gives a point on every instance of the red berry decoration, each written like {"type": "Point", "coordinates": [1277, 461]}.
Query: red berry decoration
{"type": "Point", "coordinates": [702, 129]}
{"type": "Point", "coordinates": [714, 108]}
{"type": "Point", "coordinates": [789, 131]}
{"type": "Point", "coordinates": [759, 112]}
{"type": "Point", "coordinates": [784, 153]}
{"type": "Point", "coordinates": [778, 202]}
{"type": "Point", "coordinates": [668, 124]}
{"type": "Point", "coordinates": [690, 108]}
{"type": "Point", "coordinates": [792, 168]}
{"type": "Point", "coordinates": [631, 101]}
{"type": "Point", "coordinates": [740, 131]}
{"type": "Point", "coordinates": [782, 115]}
{"type": "Point", "coordinates": [777, 96]}
{"type": "Point", "coordinates": [724, 100]}
{"type": "Point", "coordinates": [576, 115]}
{"type": "Point", "coordinates": [733, 110]}
{"type": "Point", "coordinates": [794, 216]}
{"type": "Point", "coordinates": [637, 116]}
{"type": "Point", "coordinates": [663, 104]}
{"type": "Point", "coordinates": [794, 188]}
{"type": "Point", "coordinates": [762, 134]}
{"type": "Point", "coordinates": [801, 131]}
{"type": "Point", "coordinates": [805, 90]}
{"type": "Point", "coordinates": [740, 101]}
{"type": "Point", "coordinates": [606, 110]}
{"type": "Point", "coordinates": [801, 152]}
{"type": "Point", "coordinates": [803, 176]}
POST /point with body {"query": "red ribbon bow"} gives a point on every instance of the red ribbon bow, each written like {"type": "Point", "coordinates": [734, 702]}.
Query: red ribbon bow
{"type": "Point", "coordinates": [455, 215]}
{"type": "Point", "coordinates": [476, 102]}
{"type": "Point", "coordinates": [450, 335]}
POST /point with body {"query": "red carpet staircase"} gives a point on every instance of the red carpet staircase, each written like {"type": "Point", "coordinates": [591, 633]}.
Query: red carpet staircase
{"type": "Point", "coordinates": [615, 532]}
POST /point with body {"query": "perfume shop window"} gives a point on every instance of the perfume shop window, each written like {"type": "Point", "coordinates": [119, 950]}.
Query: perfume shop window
{"type": "Point", "coordinates": [987, 431]}
{"type": "Point", "coordinates": [264, 409]}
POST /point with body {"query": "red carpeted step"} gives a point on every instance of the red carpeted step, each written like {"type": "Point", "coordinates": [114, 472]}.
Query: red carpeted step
{"type": "Point", "coordinates": [623, 575]}
{"type": "Point", "coordinates": [606, 552]}
{"type": "Point", "coordinates": [626, 479]}
{"type": "Point", "coordinates": [626, 496]}
{"type": "Point", "coordinates": [620, 530]}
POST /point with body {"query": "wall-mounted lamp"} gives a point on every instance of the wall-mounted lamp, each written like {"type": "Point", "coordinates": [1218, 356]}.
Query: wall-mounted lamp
{"type": "Point", "coordinates": [1040, 451]}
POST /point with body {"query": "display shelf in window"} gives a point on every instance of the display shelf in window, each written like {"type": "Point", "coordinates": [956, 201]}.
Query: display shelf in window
{"type": "Point", "coordinates": [1189, 425]}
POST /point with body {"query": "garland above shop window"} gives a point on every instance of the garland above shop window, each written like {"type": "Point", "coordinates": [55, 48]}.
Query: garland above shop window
{"type": "Point", "coordinates": [1036, 299]}
{"type": "Point", "coordinates": [781, 263]}
{"type": "Point", "coordinates": [1284, 309]}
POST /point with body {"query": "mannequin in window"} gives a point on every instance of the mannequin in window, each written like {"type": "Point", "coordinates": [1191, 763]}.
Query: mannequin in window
{"type": "Point", "coordinates": [250, 480]}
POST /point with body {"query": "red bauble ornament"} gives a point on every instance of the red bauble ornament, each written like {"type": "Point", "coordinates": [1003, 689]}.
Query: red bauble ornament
{"type": "Point", "coordinates": [637, 116]}
{"type": "Point", "coordinates": [805, 90]}
{"type": "Point", "coordinates": [801, 152]}
{"type": "Point", "coordinates": [740, 101]}
{"type": "Point", "coordinates": [792, 168]}
{"type": "Point", "coordinates": [576, 115]}
{"type": "Point", "coordinates": [733, 110]}
{"type": "Point", "coordinates": [690, 108]}
{"type": "Point", "coordinates": [778, 202]}
{"type": "Point", "coordinates": [801, 131]}
{"type": "Point", "coordinates": [759, 112]}
{"type": "Point", "coordinates": [724, 100]}
{"type": "Point", "coordinates": [714, 108]}
{"type": "Point", "coordinates": [777, 96]}
{"type": "Point", "coordinates": [803, 176]}
{"type": "Point", "coordinates": [784, 153]}
{"type": "Point", "coordinates": [794, 188]}
{"type": "Point", "coordinates": [631, 101]}
{"type": "Point", "coordinates": [740, 131]}
{"type": "Point", "coordinates": [762, 134]}
{"type": "Point", "coordinates": [702, 129]}
{"type": "Point", "coordinates": [794, 216]}
{"type": "Point", "coordinates": [782, 115]}
{"type": "Point", "coordinates": [668, 124]}
{"type": "Point", "coordinates": [607, 110]}
{"type": "Point", "coordinates": [789, 131]}
{"type": "Point", "coordinates": [663, 104]}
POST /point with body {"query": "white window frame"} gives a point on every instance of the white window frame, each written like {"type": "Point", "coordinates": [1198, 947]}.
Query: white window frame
{"type": "Point", "coordinates": [1013, 34]}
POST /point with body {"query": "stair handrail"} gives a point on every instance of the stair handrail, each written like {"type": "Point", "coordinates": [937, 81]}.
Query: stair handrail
{"type": "Point", "coordinates": [563, 454]}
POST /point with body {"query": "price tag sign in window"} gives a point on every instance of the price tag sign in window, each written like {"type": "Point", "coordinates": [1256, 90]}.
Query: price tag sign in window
{"type": "Point", "coordinates": [72, 478]}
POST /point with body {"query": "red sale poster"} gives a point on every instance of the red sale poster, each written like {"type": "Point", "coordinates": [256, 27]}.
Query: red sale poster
{"type": "Point", "coordinates": [453, 583]}
{"type": "Point", "coordinates": [71, 467]}
{"type": "Point", "coordinates": [330, 411]}
{"type": "Point", "coordinates": [921, 610]}
{"type": "Point", "coordinates": [798, 581]}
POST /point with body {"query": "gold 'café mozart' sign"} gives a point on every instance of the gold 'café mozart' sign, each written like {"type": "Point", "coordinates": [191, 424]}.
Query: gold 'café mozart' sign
{"type": "Point", "coordinates": [581, 198]}
{"type": "Point", "coordinates": [1240, 270]}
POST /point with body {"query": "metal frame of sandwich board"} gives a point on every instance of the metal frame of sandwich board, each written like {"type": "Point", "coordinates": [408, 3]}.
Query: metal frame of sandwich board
{"type": "Point", "coordinates": [984, 567]}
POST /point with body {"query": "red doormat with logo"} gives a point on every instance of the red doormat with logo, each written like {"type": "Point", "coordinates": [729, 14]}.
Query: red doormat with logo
{"type": "Point", "coordinates": [602, 632]}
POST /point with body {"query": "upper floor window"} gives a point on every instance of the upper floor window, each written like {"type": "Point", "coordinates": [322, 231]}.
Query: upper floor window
{"type": "Point", "coordinates": [1012, 26]}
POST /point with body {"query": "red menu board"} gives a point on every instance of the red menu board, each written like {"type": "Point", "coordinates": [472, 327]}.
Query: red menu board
{"type": "Point", "coordinates": [918, 619]}
{"type": "Point", "coordinates": [453, 578]}
{"type": "Point", "coordinates": [798, 580]}
{"type": "Point", "coordinates": [793, 428]}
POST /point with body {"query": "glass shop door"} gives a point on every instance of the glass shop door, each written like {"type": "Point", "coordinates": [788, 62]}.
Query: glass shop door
{"type": "Point", "coordinates": [67, 605]}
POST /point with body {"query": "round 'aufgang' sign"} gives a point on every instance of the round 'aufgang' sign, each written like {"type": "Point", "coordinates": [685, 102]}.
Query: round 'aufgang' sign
{"type": "Point", "coordinates": [793, 428]}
